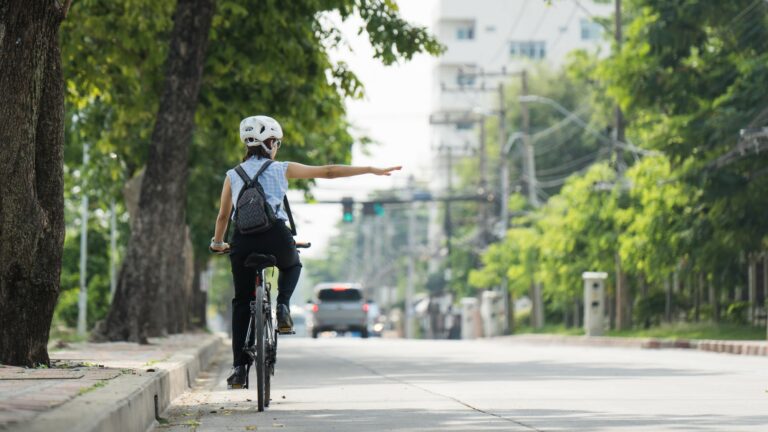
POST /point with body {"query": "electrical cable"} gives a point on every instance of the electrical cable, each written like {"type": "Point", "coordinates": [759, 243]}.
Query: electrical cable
{"type": "Point", "coordinates": [505, 41]}
{"type": "Point", "coordinates": [570, 164]}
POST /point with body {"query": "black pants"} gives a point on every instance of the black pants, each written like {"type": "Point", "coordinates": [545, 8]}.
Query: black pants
{"type": "Point", "coordinates": [279, 242]}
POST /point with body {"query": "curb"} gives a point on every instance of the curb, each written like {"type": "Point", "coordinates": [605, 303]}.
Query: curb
{"type": "Point", "coordinates": [750, 348]}
{"type": "Point", "coordinates": [130, 402]}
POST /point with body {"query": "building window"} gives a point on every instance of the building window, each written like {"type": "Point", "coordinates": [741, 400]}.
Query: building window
{"type": "Point", "coordinates": [590, 30]}
{"type": "Point", "coordinates": [535, 50]}
{"type": "Point", "coordinates": [463, 126]}
{"type": "Point", "coordinates": [465, 32]}
{"type": "Point", "coordinates": [464, 79]}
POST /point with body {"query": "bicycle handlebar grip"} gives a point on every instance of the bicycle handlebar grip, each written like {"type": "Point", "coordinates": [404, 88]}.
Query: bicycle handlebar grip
{"type": "Point", "coordinates": [217, 252]}
{"type": "Point", "coordinates": [303, 245]}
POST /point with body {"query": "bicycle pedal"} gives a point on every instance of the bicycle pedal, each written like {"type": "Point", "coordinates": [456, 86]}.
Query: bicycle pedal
{"type": "Point", "coordinates": [235, 386]}
{"type": "Point", "coordinates": [286, 332]}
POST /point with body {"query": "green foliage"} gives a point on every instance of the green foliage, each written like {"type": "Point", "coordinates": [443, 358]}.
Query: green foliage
{"type": "Point", "coordinates": [97, 280]}
{"type": "Point", "coordinates": [714, 331]}
{"type": "Point", "coordinates": [685, 78]}
{"type": "Point", "coordinates": [264, 56]}
{"type": "Point", "coordinates": [737, 312]}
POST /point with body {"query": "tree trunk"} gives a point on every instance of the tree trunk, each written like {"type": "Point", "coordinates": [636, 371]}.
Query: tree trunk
{"type": "Point", "coordinates": [199, 296]}
{"type": "Point", "coordinates": [621, 282]}
{"type": "Point", "coordinates": [752, 288]}
{"type": "Point", "coordinates": [577, 313]}
{"type": "Point", "coordinates": [181, 310]}
{"type": "Point", "coordinates": [152, 273]}
{"type": "Point", "coordinates": [668, 300]}
{"type": "Point", "coordinates": [714, 299]}
{"type": "Point", "coordinates": [32, 190]}
{"type": "Point", "coordinates": [699, 289]}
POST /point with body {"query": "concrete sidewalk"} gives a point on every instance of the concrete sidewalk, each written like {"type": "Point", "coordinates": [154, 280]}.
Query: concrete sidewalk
{"type": "Point", "coordinates": [116, 386]}
{"type": "Point", "coordinates": [742, 347]}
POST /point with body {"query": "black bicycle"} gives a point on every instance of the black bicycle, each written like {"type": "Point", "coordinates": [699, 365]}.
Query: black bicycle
{"type": "Point", "coordinates": [261, 338]}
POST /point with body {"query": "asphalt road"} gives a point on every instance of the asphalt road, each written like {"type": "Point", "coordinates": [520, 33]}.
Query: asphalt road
{"type": "Point", "coordinates": [350, 384]}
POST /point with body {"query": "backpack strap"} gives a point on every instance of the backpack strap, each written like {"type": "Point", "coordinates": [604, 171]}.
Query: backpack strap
{"type": "Point", "coordinates": [290, 215]}
{"type": "Point", "coordinates": [263, 168]}
{"type": "Point", "coordinates": [243, 176]}
{"type": "Point", "coordinates": [247, 180]}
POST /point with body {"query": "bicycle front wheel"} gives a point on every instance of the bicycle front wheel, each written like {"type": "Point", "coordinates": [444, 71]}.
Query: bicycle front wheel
{"type": "Point", "coordinates": [260, 348]}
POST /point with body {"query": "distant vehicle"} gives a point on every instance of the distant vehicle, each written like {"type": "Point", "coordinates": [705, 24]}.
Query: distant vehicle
{"type": "Point", "coordinates": [339, 307]}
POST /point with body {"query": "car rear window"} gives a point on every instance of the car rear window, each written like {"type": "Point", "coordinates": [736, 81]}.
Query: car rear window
{"type": "Point", "coordinates": [330, 294]}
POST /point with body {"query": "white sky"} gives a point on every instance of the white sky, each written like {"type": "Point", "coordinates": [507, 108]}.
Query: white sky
{"type": "Point", "coordinates": [395, 113]}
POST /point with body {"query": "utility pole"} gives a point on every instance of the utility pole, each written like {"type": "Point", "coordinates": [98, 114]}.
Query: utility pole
{"type": "Point", "coordinates": [509, 303]}
{"type": "Point", "coordinates": [483, 186]}
{"type": "Point", "coordinates": [411, 262]}
{"type": "Point", "coordinates": [618, 138]}
{"type": "Point", "coordinates": [529, 166]}
{"type": "Point", "coordinates": [619, 117]}
{"type": "Point", "coordinates": [447, 217]}
{"type": "Point", "coordinates": [82, 301]}
{"type": "Point", "coordinates": [530, 160]}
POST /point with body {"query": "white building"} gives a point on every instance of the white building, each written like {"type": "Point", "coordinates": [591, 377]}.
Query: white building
{"type": "Point", "coordinates": [491, 36]}
{"type": "Point", "coordinates": [496, 35]}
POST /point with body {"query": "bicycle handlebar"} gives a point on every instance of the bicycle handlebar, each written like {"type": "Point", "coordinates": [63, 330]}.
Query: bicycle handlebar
{"type": "Point", "coordinates": [299, 245]}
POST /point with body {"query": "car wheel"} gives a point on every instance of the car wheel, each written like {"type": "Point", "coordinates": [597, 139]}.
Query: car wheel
{"type": "Point", "coordinates": [364, 333]}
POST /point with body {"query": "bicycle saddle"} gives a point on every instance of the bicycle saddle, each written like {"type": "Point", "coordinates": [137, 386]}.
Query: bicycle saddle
{"type": "Point", "coordinates": [259, 261]}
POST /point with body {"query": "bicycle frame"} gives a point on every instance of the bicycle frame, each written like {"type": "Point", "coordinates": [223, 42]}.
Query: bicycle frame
{"type": "Point", "coordinates": [263, 350]}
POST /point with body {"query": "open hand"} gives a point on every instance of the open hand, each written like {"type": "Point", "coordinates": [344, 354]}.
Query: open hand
{"type": "Point", "coordinates": [385, 171]}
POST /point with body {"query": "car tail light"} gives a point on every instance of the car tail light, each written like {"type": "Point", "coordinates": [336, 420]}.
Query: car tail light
{"type": "Point", "coordinates": [315, 308]}
{"type": "Point", "coordinates": [339, 288]}
{"type": "Point", "coordinates": [366, 307]}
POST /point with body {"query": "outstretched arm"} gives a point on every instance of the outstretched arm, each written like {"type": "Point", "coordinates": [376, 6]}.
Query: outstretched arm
{"type": "Point", "coordinates": [224, 211]}
{"type": "Point", "coordinates": [299, 171]}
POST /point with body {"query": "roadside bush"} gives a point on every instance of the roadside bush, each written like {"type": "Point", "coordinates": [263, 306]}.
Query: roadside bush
{"type": "Point", "coordinates": [736, 313]}
{"type": "Point", "coordinates": [649, 311]}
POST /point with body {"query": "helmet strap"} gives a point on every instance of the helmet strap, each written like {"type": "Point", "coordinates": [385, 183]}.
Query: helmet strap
{"type": "Point", "coordinates": [267, 149]}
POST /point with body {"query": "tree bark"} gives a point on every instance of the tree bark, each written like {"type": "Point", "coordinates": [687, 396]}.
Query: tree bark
{"type": "Point", "coordinates": [714, 299]}
{"type": "Point", "coordinates": [199, 297]}
{"type": "Point", "coordinates": [32, 190]}
{"type": "Point", "coordinates": [698, 292]}
{"type": "Point", "coordinates": [151, 278]}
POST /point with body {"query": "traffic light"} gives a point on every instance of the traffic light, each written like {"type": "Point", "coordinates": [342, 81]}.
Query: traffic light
{"type": "Point", "coordinates": [373, 209]}
{"type": "Point", "coordinates": [378, 208]}
{"type": "Point", "coordinates": [368, 209]}
{"type": "Point", "coordinates": [348, 205]}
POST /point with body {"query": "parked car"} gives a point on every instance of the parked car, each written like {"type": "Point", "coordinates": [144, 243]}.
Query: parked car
{"type": "Point", "coordinates": [339, 307]}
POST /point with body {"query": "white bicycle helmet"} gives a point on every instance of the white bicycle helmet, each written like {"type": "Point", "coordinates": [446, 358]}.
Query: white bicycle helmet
{"type": "Point", "coordinates": [255, 130]}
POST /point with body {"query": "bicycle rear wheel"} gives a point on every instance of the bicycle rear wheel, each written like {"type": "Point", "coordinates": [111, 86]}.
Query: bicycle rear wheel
{"type": "Point", "coordinates": [260, 349]}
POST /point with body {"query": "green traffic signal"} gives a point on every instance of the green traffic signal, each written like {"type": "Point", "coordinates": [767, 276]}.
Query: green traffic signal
{"type": "Point", "coordinates": [378, 209]}
{"type": "Point", "coordinates": [347, 204]}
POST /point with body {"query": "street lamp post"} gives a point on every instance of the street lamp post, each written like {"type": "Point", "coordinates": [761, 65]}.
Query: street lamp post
{"type": "Point", "coordinates": [82, 301]}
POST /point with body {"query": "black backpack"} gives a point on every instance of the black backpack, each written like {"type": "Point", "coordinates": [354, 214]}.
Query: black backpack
{"type": "Point", "coordinates": [254, 214]}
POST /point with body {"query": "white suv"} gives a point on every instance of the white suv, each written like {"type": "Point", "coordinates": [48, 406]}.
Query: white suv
{"type": "Point", "coordinates": [339, 307]}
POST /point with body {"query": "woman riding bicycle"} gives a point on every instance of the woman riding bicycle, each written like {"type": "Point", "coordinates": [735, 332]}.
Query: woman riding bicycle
{"type": "Point", "coordinates": [262, 135]}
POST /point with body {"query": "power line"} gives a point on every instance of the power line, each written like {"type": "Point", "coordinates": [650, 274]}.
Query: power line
{"type": "Point", "coordinates": [512, 29]}
{"type": "Point", "coordinates": [570, 164]}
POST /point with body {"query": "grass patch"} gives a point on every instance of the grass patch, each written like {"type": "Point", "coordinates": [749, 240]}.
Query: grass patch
{"type": "Point", "coordinates": [92, 388]}
{"type": "Point", "coordinates": [702, 330]}
{"type": "Point", "coordinates": [722, 331]}
{"type": "Point", "coordinates": [558, 329]}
